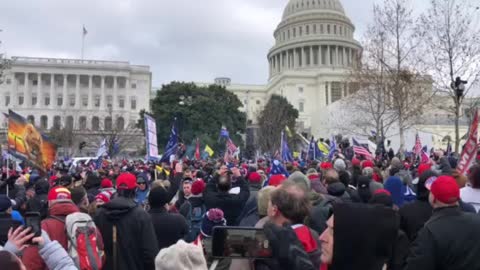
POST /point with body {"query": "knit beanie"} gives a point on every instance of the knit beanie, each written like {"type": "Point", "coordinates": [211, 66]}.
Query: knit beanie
{"type": "Point", "coordinates": [340, 165]}
{"type": "Point", "coordinates": [300, 179]}
{"type": "Point", "coordinates": [181, 256]}
{"type": "Point", "coordinates": [158, 197]}
{"type": "Point", "coordinates": [105, 196]}
{"type": "Point", "coordinates": [214, 217]}
{"type": "Point", "coordinates": [78, 194]}
{"type": "Point", "coordinates": [5, 203]}
{"type": "Point", "coordinates": [263, 197]}
{"type": "Point", "coordinates": [198, 187]}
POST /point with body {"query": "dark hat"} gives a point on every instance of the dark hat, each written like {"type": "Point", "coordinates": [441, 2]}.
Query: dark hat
{"type": "Point", "coordinates": [214, 217]}
{"type": "Point", "coordinates": [5, 203]}
{"type": "Point", "coordinates": [158, 197]}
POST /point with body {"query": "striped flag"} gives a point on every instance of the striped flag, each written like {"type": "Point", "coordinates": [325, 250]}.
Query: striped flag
{"type": "Point", "coordinates": [417, 149]}
{"type": "Point", "coordinates": [172, 144]}
{"type": "Point", "coordinates": [361, 150]}
{"type": "Point", "coordinates": [230, 151]}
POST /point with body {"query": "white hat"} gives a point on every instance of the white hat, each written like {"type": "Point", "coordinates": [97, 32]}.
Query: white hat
{"type": "Point", "coordinates": [181, 256]}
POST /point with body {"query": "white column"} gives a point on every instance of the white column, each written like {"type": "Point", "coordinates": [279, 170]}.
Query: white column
{"type": "Point", "coordinates": [304, 56]}
{"type": "Point", "coordinates": [90, 92]}
{"type": "Point", "coordinates": [39, 91]}
{"type": "Point", "coordinates": [102, 97]}
{"type": "Point", "coordinates": [115, 93]}
{"type": "Point", "coordinates": [312, 63]}
{"type": "Point", "coordinates": [64, 93]}
{"type": "Point", "coordinates": [329, 58]}
{"type": "Point", "coordinates": [337, 56]}
{"type": "Point", "coordinates": [14, 95]}
{"type": "Point", "coordinates": [52, 92]}
{"type": "Point", "coordinates": [77, 92]}
{"type": "Point", "coordinates": [26, 95]}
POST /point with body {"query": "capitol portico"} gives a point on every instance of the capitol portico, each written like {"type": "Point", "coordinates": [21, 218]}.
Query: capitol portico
{"type": "Point", "coordinates": [80, 94]}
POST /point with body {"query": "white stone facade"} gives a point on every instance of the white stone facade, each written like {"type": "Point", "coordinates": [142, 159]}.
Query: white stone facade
{"type": "Point", "coordinates": [81, 94]}
{"type": "Point", "coordinates": [309, 64]}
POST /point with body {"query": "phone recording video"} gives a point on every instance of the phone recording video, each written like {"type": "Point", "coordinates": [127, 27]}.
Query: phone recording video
{"type": "Point", "coordinates": [236, 242]}
{"type": "Point", "coordinates": [32, 220]}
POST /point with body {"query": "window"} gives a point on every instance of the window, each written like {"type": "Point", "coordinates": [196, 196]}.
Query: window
{"type": "Point", "coordinates": [321, 28]}
{"type": "Point", "coordinates": [334, 29]}
{"type": "Point", "coordinates": [34, 82]}
{"type": "Point", "coordinates": [134, 86]}
{"type": "Point", "coordinates": [69, 123]}
{"type": "Point", "coordinates": [31, 119]}
{"type": "Point", "coordinates": [85, 101]}
{"type": "Point", "coordinates": [121, 102]}
{"type": "Point", "coordinates": [314, 28]}
{"type": "Point", "coordinates": [44, 122]}
{"type": "Point", "coordinates": [57, 122]}
{"type": "Point", "coordinates": [258, 102]}
{"type": "Point", "coordinates": [133, 103]}
{"type": "Point", "coordinates": [341, 31]}
{"type": "Point", "coordinates": [326, 92]}
{"type": "Point", "coordinates": [9, 81]}
{"type": "Point", "coordinates": [95, 123]}
{"type": "Point", "coordinates": [283, 36]}
{"type": "Point", "coordinates": [109, 101]}
{"type": "Point", "coordinates": [301, 105]}
{"type": "Point", "coordinates": [59, 100]}
{"type": "Point", "coordinates": [120, 125]}
{"type": "Point", "coordinates": [97, 101]}
{"type": "Point", "coordinates": [47, 100]}
{"type": "Point", "coordinates": [288, 34]}
{"type": "Point", "coordinates": [307, 30]}
{"type": "Point", "coordinates": [300, 90]}
{"type": "Point", "coordinates": [294, 32]}
{"type": "Point", "coordinates": [108, 123]}
{"type": "Point", "coordinates": [336, 91]}
{"type": "Point", "coordinates": [7, 100]}
{"type": "Point", "coordinates": [300, 30]}
{"type": "Point", "coordinates": [82, 123]}
{"type": "Point", "coordinates": [34, 99]}
{"type": "Point", "coordinates": [71, 100]}
{"type": "Point", "coordinates": [20, 99]}
{"type": "Point", "coordinates": [328, 28]}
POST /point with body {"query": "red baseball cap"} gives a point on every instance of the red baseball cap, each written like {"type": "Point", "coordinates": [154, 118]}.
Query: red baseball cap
{"type": "Point", "coordinates": [367, 164]}
{"type": "Point", "coordinates": [106, 183]}
{"type": "Point", "coordinates": [59, 193]}
{"type": "Point", "coordinates": [445, 189]}
{"type": "Point", "coordinates": [126, 181]}
{"type": "Point", "coordinates": [276, 180]}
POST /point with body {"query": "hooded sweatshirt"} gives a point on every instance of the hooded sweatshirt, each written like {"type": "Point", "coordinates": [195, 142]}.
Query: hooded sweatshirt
{"type": "Point", "coordinates": [396, 187]}
{"type": "Point", "coordinates": [369, 242]}
{"type": "Point", "coordinates": [136, 240]}
{"type": "Point", "coordinates": [39, 203]}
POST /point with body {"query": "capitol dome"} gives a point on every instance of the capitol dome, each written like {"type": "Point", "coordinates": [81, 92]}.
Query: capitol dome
{"type": "Point", "coordinates": [313, 35]}
{"type": "Point", "coordinates": [296, 6]}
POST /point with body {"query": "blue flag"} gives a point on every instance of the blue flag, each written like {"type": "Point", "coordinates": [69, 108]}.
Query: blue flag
{"type": "Point", "coordinates": [333, 148]}
{"type": "Point", "coordinates": [275, 169]}
{"type": "Point", "coordinates": [172, 144]}
{"type": "Point", "coordinates": [314, 152]}
{"type": "Point", "coordinates": [224, 133]}
{"type": "Point", "coordinates": [286, 154]}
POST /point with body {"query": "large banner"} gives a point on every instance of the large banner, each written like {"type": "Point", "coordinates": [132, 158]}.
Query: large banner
{"type": "Point", "coordinates": [27, 143]}
{"type": "Point", "coordinates": [471, 146]}
{"type": "Point", "coordinates": [151, 136]}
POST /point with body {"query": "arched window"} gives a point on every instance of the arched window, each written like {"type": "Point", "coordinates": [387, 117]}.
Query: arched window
{"type": "Point", "coordinates": [82, 123]}
{"type": "Point", "coordinates": [57, 122]}
{"type": "Point", "coordinates": [31, 119]}
{"type": "Point", "coordinates": [44, 122]}
{"type": "Point", "coordinates": [69, 122]}
{"type": "Point", "coordinates": [108, 123]}
{"type": "Point", "coordinates": [95, 123]}
{"type": "Point", "coordinates": [120, 123]}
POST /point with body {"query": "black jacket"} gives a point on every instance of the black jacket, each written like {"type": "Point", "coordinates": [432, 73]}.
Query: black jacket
{"type": "Point", "coordinates": [231, 204]}
{"type": "Point", "coordinates": [413, 216]}
{"type": "Point", "coordinates": [136, 239]}
{"type": "Point", "coordinates": [449, 240]}
{"type": "Point", "coordinates": [169, 228]}
{"type": "Point", "coordinates": [15, 192]}
{"type": "Point", "coordinates": [39, 203]}
{"type": "Point", "coordinates": [6, 222]}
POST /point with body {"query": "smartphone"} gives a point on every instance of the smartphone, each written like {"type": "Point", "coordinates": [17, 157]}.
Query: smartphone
{"type": "Point", "coordinates": [32, 220]}
{"type": "Point", "coordinates": [239, 242]}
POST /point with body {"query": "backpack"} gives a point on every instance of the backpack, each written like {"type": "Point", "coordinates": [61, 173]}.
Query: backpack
{"type": "Point", "coordinates": [194, 221]}
{"type": "Point", "coordinates": [83, 242]}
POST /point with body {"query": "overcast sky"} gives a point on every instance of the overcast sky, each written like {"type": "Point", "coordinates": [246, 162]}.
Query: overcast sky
{"type": "Point", "coordinates": [183, 40]}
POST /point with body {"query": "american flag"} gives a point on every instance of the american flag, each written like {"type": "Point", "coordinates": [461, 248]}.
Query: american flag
{"type": "Point", "coordinates": [417, 149]}
{"type": "Point", "coordinates": [361, 150]}
{"type": "Point", "coordinates": [231, 150]}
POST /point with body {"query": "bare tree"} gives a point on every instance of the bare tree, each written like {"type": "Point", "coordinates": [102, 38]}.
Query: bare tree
{"type": "Point", "coordinates": [4, 63]}
{"type": "Point", "coordinates": [407, 86]}
{"type": "Point", "coordinates": [452, 48]}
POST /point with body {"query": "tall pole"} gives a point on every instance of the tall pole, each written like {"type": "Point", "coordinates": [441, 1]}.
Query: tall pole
{"type": "Point", "coordinates": [84, 33]}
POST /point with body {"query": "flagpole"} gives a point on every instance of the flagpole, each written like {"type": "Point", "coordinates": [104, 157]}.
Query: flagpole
{"type": "Point", "coordinates": [83, 40]}
{"type": "Point", "coordinates": [281, 147]}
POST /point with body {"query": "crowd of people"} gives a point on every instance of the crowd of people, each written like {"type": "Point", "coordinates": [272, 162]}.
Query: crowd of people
{"type": "Point", "coordinates": [335, 215]}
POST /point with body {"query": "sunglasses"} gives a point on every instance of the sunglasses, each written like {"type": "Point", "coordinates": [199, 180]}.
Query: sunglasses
{"type": "Point", "coordinates": [141, 183]}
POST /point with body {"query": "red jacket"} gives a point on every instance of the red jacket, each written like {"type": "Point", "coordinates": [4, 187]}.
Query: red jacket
{"type": "Point", "coordinates": [56, 231]}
